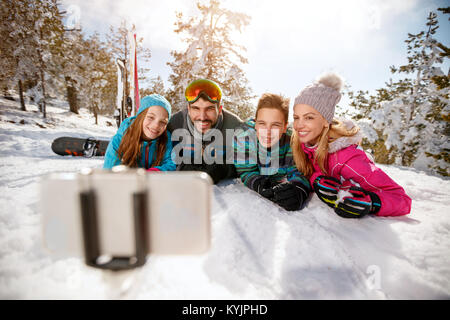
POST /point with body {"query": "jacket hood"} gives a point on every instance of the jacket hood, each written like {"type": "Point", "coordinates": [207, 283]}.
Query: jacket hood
{"type": "Point", "coordinates": [340, 142]}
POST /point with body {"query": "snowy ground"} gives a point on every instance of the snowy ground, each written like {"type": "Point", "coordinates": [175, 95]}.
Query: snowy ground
{"type": "Point", "coordinates": [259, 251]}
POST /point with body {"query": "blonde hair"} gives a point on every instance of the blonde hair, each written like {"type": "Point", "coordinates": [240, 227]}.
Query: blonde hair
{"type": "Point", "coordinates": [329, 134]}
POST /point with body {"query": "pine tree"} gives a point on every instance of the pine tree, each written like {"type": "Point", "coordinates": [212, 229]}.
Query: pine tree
{"type": "Point", "coordinates": [46, 60]}
{"type": "Point", "coordinates": [68, 62]}
{"type": "Point", "coordinates": [49, 30]}
{"type": "Point", "coordinates": [31, 30]}
{"type": "Point", "coordinates": [19, 56]}
{"type": "Point", "coordinates": [72, 64]}
{"type": "Point", "coordinates": [411, 116]}
{"type": "Point", "coordinates": [8, 64]}
{"type": "Point", "coordinates": [212, 54]}
{"type": "Point", "coordinates": [156, 86]}
{"type": "Point", "coordinates": [98, 87]}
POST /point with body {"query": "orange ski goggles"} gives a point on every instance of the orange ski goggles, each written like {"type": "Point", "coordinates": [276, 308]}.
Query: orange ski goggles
{"type": "Point", "coordinates": [208, 87]}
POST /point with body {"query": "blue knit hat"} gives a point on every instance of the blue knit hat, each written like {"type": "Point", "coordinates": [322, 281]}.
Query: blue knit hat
{"type": "Point", "coordinates": [155, 100]}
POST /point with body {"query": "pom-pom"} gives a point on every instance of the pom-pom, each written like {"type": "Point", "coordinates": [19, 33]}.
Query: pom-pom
{"type": "Point", "coordinates": [331, 80]}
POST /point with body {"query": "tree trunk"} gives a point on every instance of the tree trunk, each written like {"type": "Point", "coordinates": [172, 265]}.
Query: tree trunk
{"type": "Point", "coordinates": [44, 105]}
{"type": "Point", "coordinates": [22, 101]}
{"type": "Point", "coordinates": [72, 97]}
{"type": "Point", "coordinates": [42, 72]}
{"type": "Point", "coordinates": [95, 111]}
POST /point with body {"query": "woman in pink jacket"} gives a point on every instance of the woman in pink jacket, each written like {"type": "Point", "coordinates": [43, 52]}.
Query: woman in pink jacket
{"type": "Point", "coordinates": [328, 152]}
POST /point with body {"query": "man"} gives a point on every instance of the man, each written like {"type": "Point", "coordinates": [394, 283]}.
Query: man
{"type": "Point", "coordinates": [264, 157]}
{"type": "Point", "coordinates": [199, 132]}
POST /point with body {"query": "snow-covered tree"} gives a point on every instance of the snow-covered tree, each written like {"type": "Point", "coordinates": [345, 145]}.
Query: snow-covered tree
{"type": "Point", "coordinates": [71, 67]}
{"type": "Point", "coordinates": [31, 30]}
{"type": "Point", "coordinates": [156, 85]}
{"type": "Point", "coordinates": [8, 63]}
{"type": "Point", "coordinates": [98, 88]}
{"type": "Point", "coordinates": [19, 59]}
{"type": "Point", "coordinates": [409, 119]}
{"type": "Point", "coordinates": [212, 54]}
{"type": "Point", "coordinates": [48, 30]}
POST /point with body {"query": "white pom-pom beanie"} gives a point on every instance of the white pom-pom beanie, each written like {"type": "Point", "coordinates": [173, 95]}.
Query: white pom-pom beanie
{"type": "Point", "coordinates": [323, 95]}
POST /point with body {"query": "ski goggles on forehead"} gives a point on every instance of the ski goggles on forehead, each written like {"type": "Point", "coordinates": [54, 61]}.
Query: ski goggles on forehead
{"type": "Point", "coordinates": [208, 87]}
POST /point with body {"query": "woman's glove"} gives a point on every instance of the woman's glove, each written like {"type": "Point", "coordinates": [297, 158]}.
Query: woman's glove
{"type": "Point", "coordinates": [290, 196]}
{"type": "Point", "coordinates": [355, 203]}
{"type": "Point", "coordinates": [327, 189]}
{"type": "Point", "coordinates": [359, 203]}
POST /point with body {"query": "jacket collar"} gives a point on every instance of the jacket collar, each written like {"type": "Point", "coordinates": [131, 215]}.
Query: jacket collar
{"type": "Point", "coordinates": [309, 150]}
{"type": "Point", "coordinates": [343, 142]}
{"type": "Point", "coordinates": [338, 143]}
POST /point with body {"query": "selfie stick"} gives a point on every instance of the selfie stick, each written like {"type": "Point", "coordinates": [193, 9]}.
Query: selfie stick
{"type": "Point", "coordinates": [118, 269]}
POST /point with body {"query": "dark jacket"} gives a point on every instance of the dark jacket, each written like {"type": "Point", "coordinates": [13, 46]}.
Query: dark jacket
{"type": "Point", "coordinates": [188, 154]}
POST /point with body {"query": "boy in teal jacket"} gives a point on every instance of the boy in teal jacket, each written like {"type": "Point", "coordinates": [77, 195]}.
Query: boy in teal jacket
{"type": "Point", "coordinates": [263, 155]}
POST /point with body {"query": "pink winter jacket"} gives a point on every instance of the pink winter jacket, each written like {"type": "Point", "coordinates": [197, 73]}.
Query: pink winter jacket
{"type": "Point", "coordinates": [349, 163]}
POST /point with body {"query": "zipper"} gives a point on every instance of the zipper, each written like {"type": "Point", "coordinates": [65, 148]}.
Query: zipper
{"type": "Point", "coordinates": [146, 156]}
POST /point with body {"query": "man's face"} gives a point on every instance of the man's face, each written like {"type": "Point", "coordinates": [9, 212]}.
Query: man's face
{"type": "Point", "coordinates": [203, 114]}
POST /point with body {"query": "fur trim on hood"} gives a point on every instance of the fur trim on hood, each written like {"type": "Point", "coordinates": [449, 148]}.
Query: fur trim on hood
{"type": "Point", "coordinates": [343, 142]}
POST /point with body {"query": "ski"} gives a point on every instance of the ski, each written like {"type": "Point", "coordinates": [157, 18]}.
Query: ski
{"type": "Point", "coordinates": [134, 83]}
{"type": "Point", "coordinates": [120, 112]}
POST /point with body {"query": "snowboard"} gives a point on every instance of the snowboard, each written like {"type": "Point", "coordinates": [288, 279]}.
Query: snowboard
{"type": "Point", "coordinates": [79, 147]}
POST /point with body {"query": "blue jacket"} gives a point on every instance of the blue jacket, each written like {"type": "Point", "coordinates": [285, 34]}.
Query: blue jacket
{"type": "Point", "coordinates": [148, 151]}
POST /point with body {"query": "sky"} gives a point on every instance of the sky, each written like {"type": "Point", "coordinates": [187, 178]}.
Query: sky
{"type": "Point", "coordinates": [289, 43]}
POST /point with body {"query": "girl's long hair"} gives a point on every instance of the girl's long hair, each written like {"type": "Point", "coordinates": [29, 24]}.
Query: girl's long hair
{"type": "Point", "coordinates": [336, 130]}
{"type": "Point", "coordinates": [130, 147]}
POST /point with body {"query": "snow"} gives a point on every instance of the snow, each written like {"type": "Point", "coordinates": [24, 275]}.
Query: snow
{"type": "Point", "coordinates": [259, 251]}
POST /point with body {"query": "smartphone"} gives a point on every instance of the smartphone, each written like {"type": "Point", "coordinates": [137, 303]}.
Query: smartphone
{"type": "Point", "coordinates": [177, 208]}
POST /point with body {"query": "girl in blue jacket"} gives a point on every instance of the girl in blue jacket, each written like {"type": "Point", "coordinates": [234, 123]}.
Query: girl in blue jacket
{"type": "Point", "coordinates": [142, 141]}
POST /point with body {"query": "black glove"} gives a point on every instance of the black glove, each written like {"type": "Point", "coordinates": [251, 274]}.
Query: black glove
{"type": "Point", "coordinates": [190, 167]}
{"type": "Point", "coordinates": [216, 171]}
{"type": "Point", "coordinates": [290, 196]}
{"type": "Point", "coordinates": [263, 186]}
